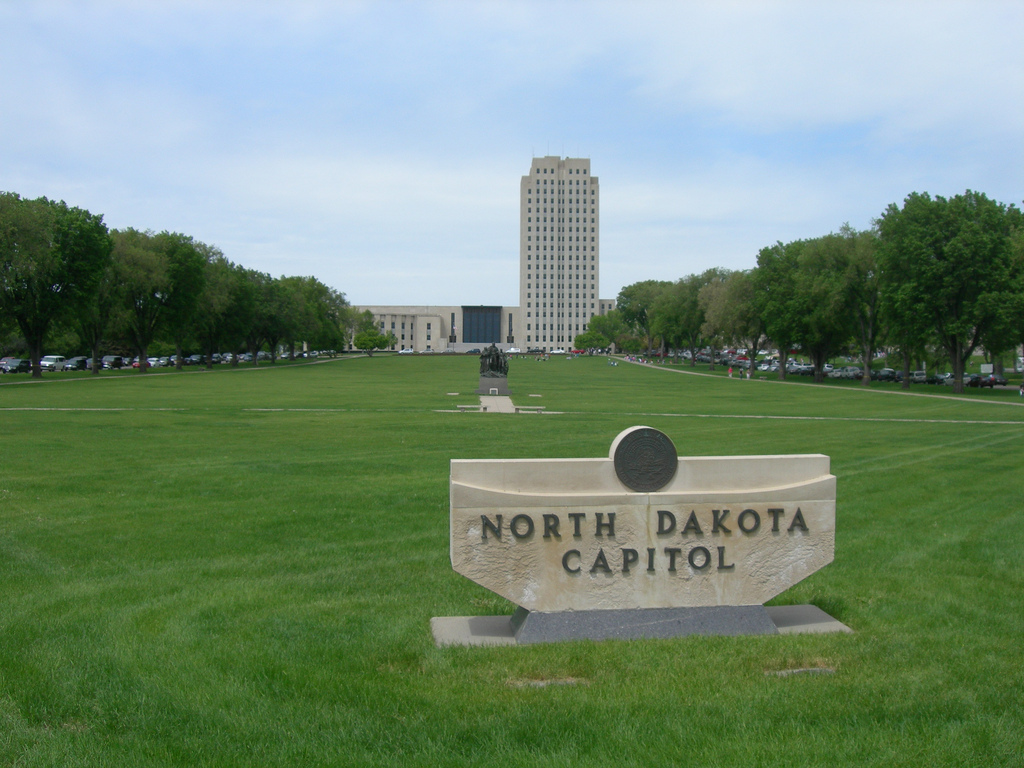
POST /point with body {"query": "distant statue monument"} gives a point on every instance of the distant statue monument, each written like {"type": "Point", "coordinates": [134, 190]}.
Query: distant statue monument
{"type": "Point", "coordinates": [493, 362]}
{"type": "Point", "coordinates": [493, 372]}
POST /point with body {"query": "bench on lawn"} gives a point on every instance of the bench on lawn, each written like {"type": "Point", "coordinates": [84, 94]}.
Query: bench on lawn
{"type": "Point", "coordinates": [479, 408]}
{"type": "Point", "coordinates": [529, 409]}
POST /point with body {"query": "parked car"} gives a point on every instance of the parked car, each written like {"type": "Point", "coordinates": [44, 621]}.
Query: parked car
{"type": "Point", "coordinates": [979, 381]}
{"type": "Point", "coordinates": [918, 377]}
{"type": "Point", "coordinates": [938, 378]}
{"type": "Point", "coordinates": [884, 374]}
{"type": "Point", "coordinates": [52, 363]}
{"type": "Point", "coordinates": [407, 351]}
{"type": "Point", "coordinates": [75, 363]}
{"type": "Point", "coordinates": [18, 365]}
{"type": "Point", "coordinates": [110, 362]}
{"type": "Point", "coordinates": [988, 380]}
{"type": "Point", "coordinates": [196, 360]}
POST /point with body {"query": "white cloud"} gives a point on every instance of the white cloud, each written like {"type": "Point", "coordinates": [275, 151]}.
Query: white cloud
{"type": "Point", "coordinates": [379, 145]}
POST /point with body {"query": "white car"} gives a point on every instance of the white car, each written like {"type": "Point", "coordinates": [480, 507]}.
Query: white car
{"type": "Point", "coordinates": [514, 351]}
{"type": "Point", "coordinates": [52, 363]}
{"type": "Point", "coordinates": [408, 351]}
{"type": "Point", "coordinates": [557, 351]}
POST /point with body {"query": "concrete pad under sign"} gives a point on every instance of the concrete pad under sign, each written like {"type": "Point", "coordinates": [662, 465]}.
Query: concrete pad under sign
{"type": "Point", "coordinates": [658, 623]}
{"type": "Point", "coordinates": [804, 620]}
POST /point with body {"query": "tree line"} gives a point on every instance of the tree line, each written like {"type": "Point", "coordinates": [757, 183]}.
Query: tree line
{"type": "Point", "coordinates": [935, 278]}
{"type": "Point", "coordinates": [64, 274]}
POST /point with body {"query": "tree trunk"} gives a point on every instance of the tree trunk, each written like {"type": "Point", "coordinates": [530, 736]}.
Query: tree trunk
{"type": "Point", "coordinates": [867, 355]}
{"type": "Point", "coordinates": [959, 363]}
{"type": "Point", "coordinates": [96, 357]}
{"type": "Point", "coordinates": [35, 352]}
{"type": "Point", "coordinates": [783, 361]}
{"type": "Point", "coordinates": [906, 369]}
{"type": "Point", "coordinates": [179, 362]}
{"type": "Point", "coordinates": [818, 358]}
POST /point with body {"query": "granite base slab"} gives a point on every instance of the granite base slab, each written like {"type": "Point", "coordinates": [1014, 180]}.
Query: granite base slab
{"type": "Point", "coordinates": [526, 627]}
{"type": "Point", "coordinates": [493, 385]}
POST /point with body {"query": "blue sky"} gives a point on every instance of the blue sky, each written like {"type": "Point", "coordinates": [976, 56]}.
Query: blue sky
{"type": "Point", "coordinates": [379, 146]}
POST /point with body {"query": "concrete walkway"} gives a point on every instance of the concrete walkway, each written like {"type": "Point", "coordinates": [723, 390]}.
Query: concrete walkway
{"type": "Point", "coordinates": [497, 404]}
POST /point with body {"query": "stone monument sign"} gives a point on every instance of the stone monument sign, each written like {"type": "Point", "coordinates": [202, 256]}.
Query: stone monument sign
{"type": "Point", "coordinates": [642, 530]}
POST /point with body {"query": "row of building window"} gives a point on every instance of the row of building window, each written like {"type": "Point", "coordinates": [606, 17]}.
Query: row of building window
{"type": "Point", "coordinates": [560, 210]}
{"type": "Point", "coordinates": [530, 248]}
{"type": "Point", "coordinates": [544, 257]}
{"type": "Point", "coordinates": [560, 229]}
{"type": "Point", "coordinates": [529, 304]}
{"type": "Point", "coordinates": [562, 201]}
{"type": "Point", "coordinates": [567, 170]}
{"type": "Point", "coordinates": [529, 238]}
{"type": "Point", "coordinates": [529, 220]}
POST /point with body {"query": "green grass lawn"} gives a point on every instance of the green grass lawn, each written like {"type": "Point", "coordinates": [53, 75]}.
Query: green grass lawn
{"type": "Point", "coordinates": [239, 567]}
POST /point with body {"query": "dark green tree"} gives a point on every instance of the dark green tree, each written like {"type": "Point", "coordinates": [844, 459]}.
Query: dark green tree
{"type": "Point", "coordinates": [635, 302]}
{"type": "Point", "coordinates": [716, 328]}
{"type": "Point", "coordinates": [864, 285]}
{"type": "Point", "coordinates": [732, 312]}
{"type": "Point", "coordinates": [952, 263]}
{"type": "Point", "coordinates": [321, 314]}
{"type": "Point", "coordinates": [51, 259]}
{"type": "Point", "coordinates": [610, 326]}
{"type": "Point", "coordinates": [373, 339]}
{"type": "Point", "coordinates": [775, 281]}
{"type": "Point", "coordinates": [93, 317]}
{"type": "Point", "coordinates": [212, 317]}
{"type": "Point", "coordinates": [677, 315]}
{"type": "Point", "coordinates": [143, 277]}
{"type": "Point", "coordinates": [823, 320]}
{"type": "Point", "coordinates": [185, 274]}
{"type": "Point", "coordinates": [589, 340]}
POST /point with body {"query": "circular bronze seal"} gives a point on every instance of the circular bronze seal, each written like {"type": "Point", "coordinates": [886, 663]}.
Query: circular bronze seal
{"type": "Point", "coordinates": [645, 459]}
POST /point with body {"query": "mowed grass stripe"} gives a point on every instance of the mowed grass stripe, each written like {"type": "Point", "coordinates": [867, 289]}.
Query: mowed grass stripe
{"type": "Point", "coordinates": [216, 585]}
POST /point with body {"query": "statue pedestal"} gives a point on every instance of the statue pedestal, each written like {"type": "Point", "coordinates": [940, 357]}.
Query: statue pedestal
{"type": "Point", "coordinates": [493, 385]}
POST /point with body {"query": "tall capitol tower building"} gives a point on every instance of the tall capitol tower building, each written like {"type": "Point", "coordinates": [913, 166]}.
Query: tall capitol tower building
{"type": "Point", "coordinates": [559, 275]}
{"type": "Point", "coordinates": [559, 251]}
